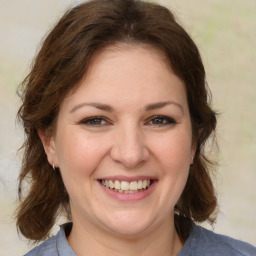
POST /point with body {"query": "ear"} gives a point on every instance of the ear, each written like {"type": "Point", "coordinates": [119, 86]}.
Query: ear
{"type": "Point", "coordinates": [49, 147]}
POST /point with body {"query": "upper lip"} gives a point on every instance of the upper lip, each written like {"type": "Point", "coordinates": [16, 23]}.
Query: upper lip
{"type": "Point", "coordinates": [128, 179]}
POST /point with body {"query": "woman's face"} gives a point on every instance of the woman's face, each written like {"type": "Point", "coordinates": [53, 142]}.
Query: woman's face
{"type": "Point", "coordinates": [123, 142]}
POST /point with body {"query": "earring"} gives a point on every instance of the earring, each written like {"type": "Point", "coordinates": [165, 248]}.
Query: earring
{"type": "Point", "coordinates": [191, 165]}
{"type": "Point", "coordinates": [53, 167]}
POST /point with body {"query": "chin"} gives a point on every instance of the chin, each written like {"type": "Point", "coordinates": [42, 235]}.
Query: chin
{"type": "Point", "coordinates": [128, 230]}
{"type": "Point", "coordinates": [129, 224]}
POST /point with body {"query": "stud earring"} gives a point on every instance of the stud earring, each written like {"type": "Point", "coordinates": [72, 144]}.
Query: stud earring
{"type": "Point", "coordinates": [192, 158]}
{"type": "Point", "coordinates": [53, 167]}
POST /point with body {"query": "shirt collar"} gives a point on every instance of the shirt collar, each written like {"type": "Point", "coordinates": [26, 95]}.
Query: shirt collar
{"type": "Point", "coordinates": [63, 247]}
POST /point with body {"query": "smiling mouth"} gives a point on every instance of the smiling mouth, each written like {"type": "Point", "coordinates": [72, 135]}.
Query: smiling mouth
{"type": "Point", "coordinates": [127, 187]}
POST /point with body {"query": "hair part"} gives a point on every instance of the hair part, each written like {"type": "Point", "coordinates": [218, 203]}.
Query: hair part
{"type": "Point", "coordinates": [59, 67]}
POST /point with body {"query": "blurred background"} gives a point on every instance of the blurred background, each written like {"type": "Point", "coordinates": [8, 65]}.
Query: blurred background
{"type": "Point", "coordinates": [225, 32]}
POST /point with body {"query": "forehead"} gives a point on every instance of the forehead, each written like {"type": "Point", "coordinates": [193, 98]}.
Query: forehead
{"type": "Point", "coordinates": [131, 72]}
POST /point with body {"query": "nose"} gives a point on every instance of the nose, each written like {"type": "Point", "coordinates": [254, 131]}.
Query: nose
{"type": "Point", "coordinates": [129, 147]}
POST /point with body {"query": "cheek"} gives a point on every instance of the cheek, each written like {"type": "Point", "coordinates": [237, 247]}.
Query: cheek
{"type": "Point", "coordinates": [79, 154]}
{"type": "Point", "coordinates": [174, 156]}
{"type": "Point", "coordinates": [174, 150]}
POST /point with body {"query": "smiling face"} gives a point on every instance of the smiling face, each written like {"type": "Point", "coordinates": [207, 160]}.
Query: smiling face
{"type": "Point", "coordinates": [123, 142]}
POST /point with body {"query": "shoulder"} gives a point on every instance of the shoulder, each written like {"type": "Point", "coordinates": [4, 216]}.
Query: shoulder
{"type": "Point", "coordinates": [55, 246]}
{"type": "Point", "coordinates": [206, 242]}
{"type": "Point", "coordinates": [49, 247]}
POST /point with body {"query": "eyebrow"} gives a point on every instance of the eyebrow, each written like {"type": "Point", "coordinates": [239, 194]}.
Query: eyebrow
{"type": "Point", "coordinates": [162, 104]}
{"type": "Point", "coordinates": [108, 108]}
{"type": "Point", "coordinates": [100, 106]}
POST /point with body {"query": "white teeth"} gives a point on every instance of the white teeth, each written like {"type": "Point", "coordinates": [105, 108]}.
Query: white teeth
{"type": "Point", "coordinates": [144, 183]}
{"type": "Point", "coordinates": [133, 185]}
{"type": "Point", "coordinates": [117, 184]}
{"type": "Point", "coordinates": [126, 187]}
{"type": "Point", "coordinates": [139, 184]}
{"type": "Point", "coordinates": [111, 184]}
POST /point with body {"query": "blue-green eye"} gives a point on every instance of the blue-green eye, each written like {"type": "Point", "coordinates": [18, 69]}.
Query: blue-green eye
{"type": "Point", "coordinates": [94, 121]}
{"type": "Point", "coordinates": [161, 120]}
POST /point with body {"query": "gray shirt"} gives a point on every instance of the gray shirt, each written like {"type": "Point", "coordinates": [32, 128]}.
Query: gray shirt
{"type": "Point", "coordinates": [201, 242]}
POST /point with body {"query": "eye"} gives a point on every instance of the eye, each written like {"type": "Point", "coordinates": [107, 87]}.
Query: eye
{"type": "Point", "coordinates": [161, 120]}
{"type": "Point", "coordinates": [95, 121]}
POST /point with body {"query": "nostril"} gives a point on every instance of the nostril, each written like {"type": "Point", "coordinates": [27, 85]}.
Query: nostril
{"type": "Point", "coordinates": [129, 151]}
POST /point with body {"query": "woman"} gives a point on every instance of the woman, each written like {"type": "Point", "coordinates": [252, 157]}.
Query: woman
{"type": "Point", "coordinates": [116, 116]}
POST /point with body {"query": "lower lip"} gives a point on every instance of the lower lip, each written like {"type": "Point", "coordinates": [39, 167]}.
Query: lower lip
{"type": "Point", "coordinates": [127, 197]}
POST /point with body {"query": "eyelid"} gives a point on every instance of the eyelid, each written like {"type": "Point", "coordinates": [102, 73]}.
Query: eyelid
{"type": "Point", "coordinates": [88, 119]}
{"type": "Point", "coordinates": [170, 120]}
{"type": "Point", "coordinates": [167, 119]}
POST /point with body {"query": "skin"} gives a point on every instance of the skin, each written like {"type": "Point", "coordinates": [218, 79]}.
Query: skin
{"type": "Point", "coordinates": [129, 141]}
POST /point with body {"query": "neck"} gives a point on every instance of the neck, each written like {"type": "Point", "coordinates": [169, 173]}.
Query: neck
{"type": "Point", "coordinates": [85, 240]}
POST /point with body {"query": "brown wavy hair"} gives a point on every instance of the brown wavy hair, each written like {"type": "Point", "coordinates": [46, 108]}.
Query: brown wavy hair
{"type": "Point", "coordinates": [57, 69]}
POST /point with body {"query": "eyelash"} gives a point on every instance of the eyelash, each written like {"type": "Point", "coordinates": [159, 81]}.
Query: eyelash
{"type": "Point", "coordinates": [94, 118]}
{"type": "Point", "coordinates": [165, 120]}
